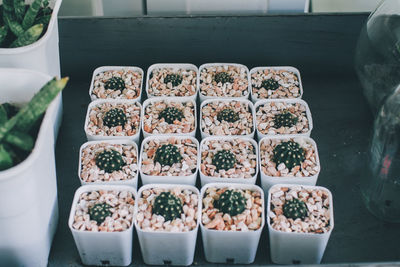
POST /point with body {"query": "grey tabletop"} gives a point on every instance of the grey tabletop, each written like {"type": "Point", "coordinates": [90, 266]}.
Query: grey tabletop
{"type": "Point", "coordinates": [320, 46]}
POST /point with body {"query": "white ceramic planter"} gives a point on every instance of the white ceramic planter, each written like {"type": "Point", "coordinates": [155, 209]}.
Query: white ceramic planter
{"type": "Point", "coordinates": [239, 247]}
{"type": "Point", "coordinates": [251, 108]}
{"type": "Point", "coordinates": [28, 191]}
{"type": "Point", "coordinates": [174, 66]}
{"type": "Point", "coordinates": [169, 99]}
{"type": "Point", "coordinates": [298, 248]}
{"type": "Point", "coordinates": [150, 179]}
{"type": "Point", "coordinates": [172, 248]}
{"type": "Point", "coordinates": [112, 68]}
{"type": "Point", "coordinates": [288, 68]}
{"type": "Point", "coordinates": [204, 97]}
{"type": "Point", "coordinates": [205, 179]}
{"type": "Point", "coordinates": [291, 101]}
{"type": "Point", "coordinates": [268, 181]}
{"type": "Point", "coordinates": [132, 181]}
{"type": "Point", "coordinates": [92, 137]}
{"type": "Point", "coordinates": [103, 248]}
{"type": "Point", "coordinates": [288, 6]}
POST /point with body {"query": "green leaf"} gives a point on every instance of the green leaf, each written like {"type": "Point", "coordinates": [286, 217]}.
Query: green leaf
{"type": "Point", "coordinates": [21, 140]}
{"type": "Point", "coordinates": [3, 115]}
{"type": "Point", "coordinates": [3, 33]}
{"type": "Point", "coordinates": [28, 37]}
{"type": "Point", "coordinates": [5, 159]}
{"type": "Point", "coordinates": [19, 7]}
{"type": "Point", "coordinates": [31, 14]}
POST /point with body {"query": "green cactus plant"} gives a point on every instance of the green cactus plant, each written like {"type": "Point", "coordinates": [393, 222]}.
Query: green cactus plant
{"type": "Point", "coordinates": [285, 119]}
{"type": "Point", "coordinates": [110, 161]}
{"type": "Point", "coordinates": [171, 114]}
{"type": "Point", "coordinates": [231, 202]}
{"type": "Point", "coordinates": [174, 79]}
{"type": "Point", "coordinates": [99, 212]}
{"type": "Point", "coordinates": [269, 84]}
{"type": "Point", "coordinates": [295, 209]}
{"type": "Point", "coordinates": [115, 83]}
{"type": "Point", "coordinates": [168, 205]}
{"type": "Point", "coordinates": [223, 77]}
{"type": "Point", "coordinates": [224, 160]}
{"type": "Point", "coordinates": [167, 155]}
{"type": "Point", "coordinates": [228, 115]}
{"type": "Point", "coordinates": [115, 117]}
{"type": "Point", "coordinates": [290, 153]}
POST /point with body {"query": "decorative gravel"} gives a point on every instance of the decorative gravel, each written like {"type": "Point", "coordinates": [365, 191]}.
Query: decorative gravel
{"type": "Point", "coordinates": [249, 219]}
{"type": "Point", "coordinates": [122, 203]}
{"type": "Point", "coordinates": [157, 86]}
{"type": "Point", "coordinates": [148, 221]}
{"type": "Point", "coordinates": [318, 206]}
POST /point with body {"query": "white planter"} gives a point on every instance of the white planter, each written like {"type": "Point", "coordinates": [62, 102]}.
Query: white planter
{"type": "Point", "coordinates": [92, 137]}
{"type": "Point", "coordinates": [288, 68]}
{"type": "Point", "coordinates": [204, 97]}
{"type": "Point", "coordinates": [288, 6]}
{"type": "Point", "coordinates": [169, 99]}
{"type": "Point", "coordinates": [268, 181]}
{"type": "Point", "coordinates": [151, 179]}
{"type": "Point", "coordinates": [102, 248]}
{"type": "Point", "coordinates": [239, 247]}
{"type": "Point", "coordinates": [132, 181]}
{"type": "Point", "coordinates": [174, 66]}
{"type": "Point", "coordinates": [28, 191]}
{"type": "Point", "coordinates": [297, 248]}
{"type": "Point", "coordinates": [205, 179]}
{"type": "Point", "coordinates": [251, 108]}
{"type": "Point", "coordinates": [172, 248]}
{"type": "Point", "coordinates": [289, 101]}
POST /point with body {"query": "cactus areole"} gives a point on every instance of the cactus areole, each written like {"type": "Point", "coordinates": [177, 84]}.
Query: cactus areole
{"type": "Point", "coordinates": [228, 115]}
{"type": "Point", "coordinates": [231, 202]}
{"type": "Point", "coordinates": [167, 155]}
{"type": "Point", "coordinates": [295, 209]}
{"type": "Point", "coordinates": [285, 119]}
{"type": "Point", "coordinates": [223, 77]}
{"type": "Point", "coordinates": [171, 114]}
{"type": "Point", "coordinates": [115, 83]}
{"type": "Point", "coordinates": [99, 212]}
{"type": "Point", "coordinates": [110, 161]}
{"type": "Point", "coordinates": [224, 160]}
{"type": "Point", "coordinates": [168, 205]}
{"type": "Point", "coordinates": [174, 79]}
{"type": "Point", "coordinates": [115, 117]}
{"type": "Point", "coordinates": [290, 153]}
{"type": "Point", "coordinates": [269, 84]}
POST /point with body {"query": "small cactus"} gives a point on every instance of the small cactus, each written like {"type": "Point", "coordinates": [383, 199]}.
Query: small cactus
{"type": "Point", "coordinates": [290, 153]}
{"type": "Point", "coordinates": [110, 161]}
{"type": "Point", "coordinates": [168, 205]}
{"type": "Point", "coordinates": [168, 155]}
{"type": "Point", "coordinates": [115, 83]}
{"type": "Point", "coordinates": [269, 84]}
{"type": "Point", "coordinates": [285, 119]}
{"type": "Point", "coordinates": [223, 77]}
{"type": "Point", "coordinates": [99, 212]}
{"type": "Point", "coordinates": [231, 202]}
{"type": "Point", "coordinates": [174, 79]}
{"type": "Point", "coordinates": [224, 160]}
{"type": "Point", "coordinates": [115, 117]}
{"type": "Point", "coordinates": [295, 209]}
{"type": "Point", "coordinates": [171, 114]}
{"type": "Point", "coordinates": [228, 115]}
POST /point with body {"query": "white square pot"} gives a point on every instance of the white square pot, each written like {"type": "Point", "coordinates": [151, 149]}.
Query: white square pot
{"type": "Point", "coordinates": [113, 68]}
{"type": "Point", "coordinates": [204, 97]}
{"type": "Point", "coordinates": [288, 6]}
{"type": "Point", "coordinates": [231, 246]}
{"type": "Point", "coordinates": [205, 179]}
{"type": "Point", "coordinates": [132, 181]}
{"type": "Point", "coordinates": [172, 248]}
{"type": "Point", "coordinates": [174, 66]}
{"type": "Point", "coordinates": [297, 248]}
{"type": "Point", "coordinates": [151, 179]}
{"type": "Point", "coordinates": [287, 101]}
{"type": "Point", "coordinates": [103, 248]}
{"type": "Point", "coordinates": [169, 99]}
{"type": "Point", "coordinates": [267, 181]}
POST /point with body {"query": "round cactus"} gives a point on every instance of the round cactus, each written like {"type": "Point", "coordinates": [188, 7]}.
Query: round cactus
{"type": "Point", "coordinates": [99, 212]}
{"type": "Point", "coordinates": [290, 153]}
{"type": "Point", "coordinates": [224, 160]}
{"type": "Point", "coordinates": [109, 161]}
{"type": "Point", "coordinates": [168, 205]}
{"type": "Point", "coordinates": [269, 84]}
{"type": "Point", "coordinates": [223, 77]}
{"type": "Point", "coordinates": [228, 115]}
{"type": "Point", "coordinates": [295, 209]}
{"type": "Point", "coordinates": [115, 117]}
{"type": "Point", "coordinates": [171, 114]}
{"type": "Point", "coordinates": [115, 83]}
{"type": "Point", "coordinates": [231, 202]}
{"type": "Point", "coordinates": [174, 79]}
{"type": "Point", "coordinates": [285, 119]}
{"type": "Point", "coordinates": [168, 155]}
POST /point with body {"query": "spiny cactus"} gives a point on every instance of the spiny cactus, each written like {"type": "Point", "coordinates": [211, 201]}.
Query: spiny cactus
{"type": "Point", "coordinates": [285, 119]}
{"type": "Point", "coordinates": [290, 153]}
{"type": "Point", "coordinates": [168, 205]}
{"type": "Point", "coordinates": [171, 114]}
{"type": "Point", "coordinates": [224, 160]}
{"type": "Point", "coordinates": [223, 77]}
{"type": "Point", "coordinates": [174, 79]}
{"type": "Point", "coordinates": [168, 155]}
{"type": "Point", "coordinates": [269, 84]}
{"type": "Point", "coordinates": [99, 212]}
{"type": "Point", "coordinates": [115, 117]}
{"type": "Point", "coordinates": [295, 209]}
{"type": "Point", "coordinates": [231, 202]}
{"type": "Point", "coordinates": [110, 160]}
{"type": "Point", "coordinates": [115, 83]}
{"type": "Point", "coordinates": [228, 115]}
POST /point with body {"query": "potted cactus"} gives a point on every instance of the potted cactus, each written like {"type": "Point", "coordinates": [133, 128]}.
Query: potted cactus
{"type": "Point", "coordinates": [167, 222]}
{"type": "Point", "coordinates": [232, 221]}
{"type": "Point", "coordinates": [300, 221]}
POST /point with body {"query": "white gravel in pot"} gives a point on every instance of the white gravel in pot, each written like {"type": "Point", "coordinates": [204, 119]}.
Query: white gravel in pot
{"type": "Point", "coordinates": [158, 87]}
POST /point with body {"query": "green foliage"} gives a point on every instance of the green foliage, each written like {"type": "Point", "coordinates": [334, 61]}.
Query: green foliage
{"type": "Point", "coordinates": [171, 114]}
{"type": "Point", "coordinates": [223, 77]}
{"type": "Point", "coordinates": [110, 161]}
{"type": "Point", "coordinates": [228, 115]}
{"type": "Point", "coordinates": [31, 14]}
{"type": "Point", "coordinates": [99, 212]}
{"type": "Point", "coordinates": [28, 37]}
{"type": "Point", "coordinates": [167, 155]}
{"type": "Point", "coordinates": [174, 79]}
{"type": "Point", "coordinates": [285, 119]}
{"type": "Point", "coordinates": [115, 117]}
{"type": "Point", "coordinates": [224, 160]}
{"type": "Point", "coordinates": [269, 84]}
{"type": "Point", "coordinates": [295, 209]}
{"type": "Point", "coordinates": [231, 202]}
{"type": "Point", "coordinates": [290, 153]}
{"type": "Point", "coordinates": [168, 205]}
{"type": "Point", "coordinates": [115, 83]}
